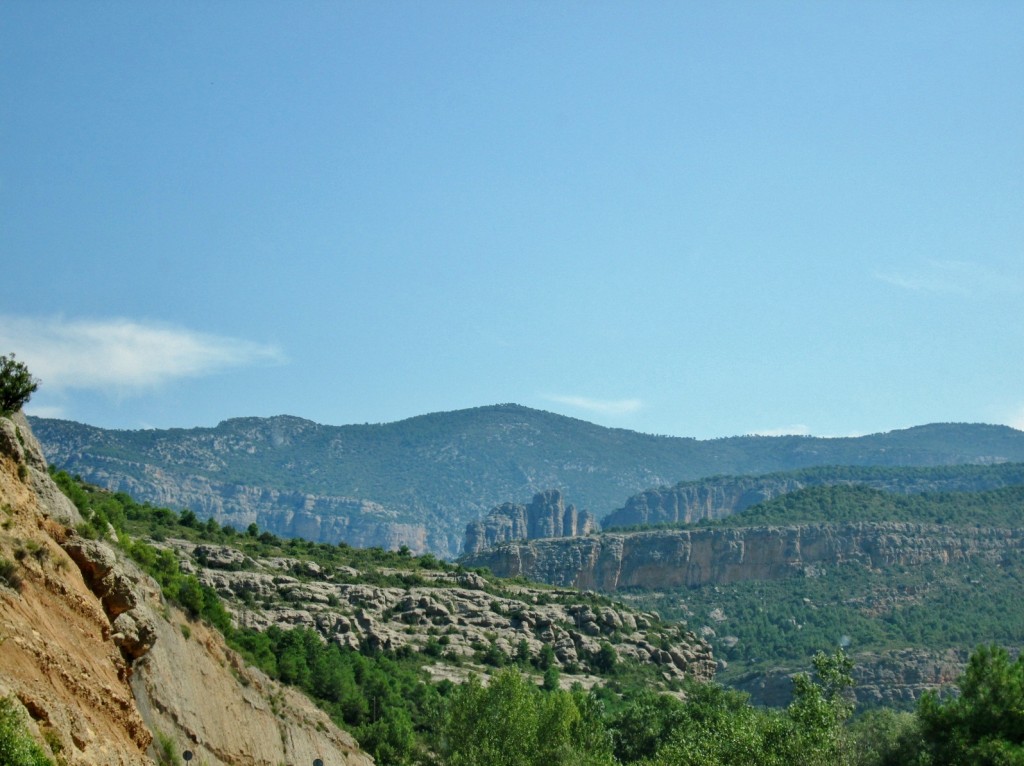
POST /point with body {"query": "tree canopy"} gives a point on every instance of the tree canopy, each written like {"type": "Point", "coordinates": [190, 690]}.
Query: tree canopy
{"type": "Point", "coordinates": [16, 384]}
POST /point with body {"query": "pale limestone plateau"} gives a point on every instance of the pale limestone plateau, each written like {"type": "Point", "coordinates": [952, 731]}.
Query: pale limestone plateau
{"type": "Point", "coordinates": [689, 502]}
{"type": "Point", "coordinates": [452, 607]}
{"type": "Point", "coordinates": [547, 515]}
{"type": "Point", "coordinates": [714, 498]}
{"type": "Point", "coordinates": [99, 662]}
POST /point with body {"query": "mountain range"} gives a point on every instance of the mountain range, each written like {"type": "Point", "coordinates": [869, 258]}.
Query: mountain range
{"type": "Point", "coordinates": [419, 482]}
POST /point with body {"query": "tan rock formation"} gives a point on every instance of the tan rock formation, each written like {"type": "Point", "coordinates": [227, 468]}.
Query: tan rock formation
{"type": "Point", "coordinates": [100, 662]}
{"type": "Point", "coordinates": [453, 606]}
{"type": "Point", "coordinates": [57, 656]}
{"type": "Point", "coordinates": [207, 700]}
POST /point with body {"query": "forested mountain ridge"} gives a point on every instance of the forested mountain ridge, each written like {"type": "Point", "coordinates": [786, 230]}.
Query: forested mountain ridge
{"type": "Point", "coordinates": [419, 481]}
{"type": "Point", "coordinates": [719, 496]}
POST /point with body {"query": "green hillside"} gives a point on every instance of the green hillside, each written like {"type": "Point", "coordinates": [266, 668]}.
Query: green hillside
{"type": "Point", "coordinates": [769, 626]}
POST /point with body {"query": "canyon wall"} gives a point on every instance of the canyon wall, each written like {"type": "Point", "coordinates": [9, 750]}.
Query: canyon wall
{"type": "Point", "coordinates": [692, 558]}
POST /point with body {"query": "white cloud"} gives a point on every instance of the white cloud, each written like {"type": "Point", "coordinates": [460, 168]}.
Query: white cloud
{"type": "Point", "coordinates": [121, 354]}
{"type": "Point", "coordinates": [962, 277]}
{"type": "Point", "coordinates": [1017, 420]}
{"type": "Point", "coordinates": [600, 406]}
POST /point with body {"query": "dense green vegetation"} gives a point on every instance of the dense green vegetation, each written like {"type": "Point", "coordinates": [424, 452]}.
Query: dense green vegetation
{"type": "Point", "coordinates": [933, 606]}
{"type": "Point", "coordinates": [856, 502]}
{"type": "Point", "coordinates": [398, 715]}
{"type": "Point", "coordinates": [984, 725]}
{"type": "Point", "coordinates": [1002, 507]}
{"type": "Point", "coordinates": [788, 620]}
{"type": "Point", "coordinates": [17, 748]}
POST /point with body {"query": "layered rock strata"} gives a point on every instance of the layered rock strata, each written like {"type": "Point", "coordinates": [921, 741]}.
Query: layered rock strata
{"type": "Point", "coordinates": [692, 558]}
{"type": "Point", "coordinates": [689, 502]}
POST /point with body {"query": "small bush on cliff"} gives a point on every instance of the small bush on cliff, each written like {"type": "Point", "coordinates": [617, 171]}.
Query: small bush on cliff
{"type": "Point", "coordinates": [16, 384]}
{"type": "Point", "coordinates": [17, 748]}
{"type": "Point", "coordinates": [9, 574]}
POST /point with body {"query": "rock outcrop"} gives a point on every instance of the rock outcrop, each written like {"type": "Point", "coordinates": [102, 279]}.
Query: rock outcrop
{"type": "Point", "coordinates": [58, 658]}
{"type": "Point", "coordinates": [453, 613]}
{"type": "Point", "coordinates": [199, 692]}
{"type": "Point", "coordinates": [101, 664]}
{"type": "Point", "coordinates": [546, 516]}
{"type": "Point", "coordinates": [896, 678]}
{"type": "Point", "coordinates": [692, 558]}
{"type": "Point", "coordinates": [318, 517]}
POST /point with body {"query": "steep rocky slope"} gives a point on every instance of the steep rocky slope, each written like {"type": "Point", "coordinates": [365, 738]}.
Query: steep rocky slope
{"type": "Point", "coordinates": [420, 481]}
{"type": "Point", "coordinates": [100, 662]}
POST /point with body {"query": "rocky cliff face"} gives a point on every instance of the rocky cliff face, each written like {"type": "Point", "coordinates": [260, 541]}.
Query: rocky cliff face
{"type": "Point", "coordinates": [689, 502]}
{"type": "Point", "coordinates": [896, 678]}
{"type": "Point", "coordinates": [546, 516]}
{"type": "Point", "coordinates": [699, 566]}
{"type": "Point", "coordinates": [318, 517]}
{"type": "Point", "coordinates": [691, 558]}
{"type": "Point", "coordinates": [100, 663]}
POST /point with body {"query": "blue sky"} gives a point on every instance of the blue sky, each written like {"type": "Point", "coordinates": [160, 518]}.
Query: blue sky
{"type": "Point", "coordinates": [697, 219]}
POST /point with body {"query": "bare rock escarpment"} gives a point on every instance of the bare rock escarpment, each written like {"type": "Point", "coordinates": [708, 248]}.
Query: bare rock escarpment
{"type": "Point", "coordinates": [696, 557]}
{"type": "Point", "coordinates": [58, 658]}
{"type": "Point", "coordinates": [713, 498]}
{"type": "Point", "coordinates": [547, 515]}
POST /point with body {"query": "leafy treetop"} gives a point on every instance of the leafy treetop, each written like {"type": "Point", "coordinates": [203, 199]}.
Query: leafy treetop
{"type": "Point", "coordinates": [16, 384]}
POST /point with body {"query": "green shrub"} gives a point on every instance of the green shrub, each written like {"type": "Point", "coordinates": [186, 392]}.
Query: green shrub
{"type": "Point", "coordinates": [9, 573]}
{"type": "Point", "coordinates": [166, 750]}
{"type": "Point", "coordinates": [17, 748]}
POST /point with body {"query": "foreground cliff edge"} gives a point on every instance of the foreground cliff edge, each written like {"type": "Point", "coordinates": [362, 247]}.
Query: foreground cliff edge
{"type": "Point", "coordinates": [100, 663]}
